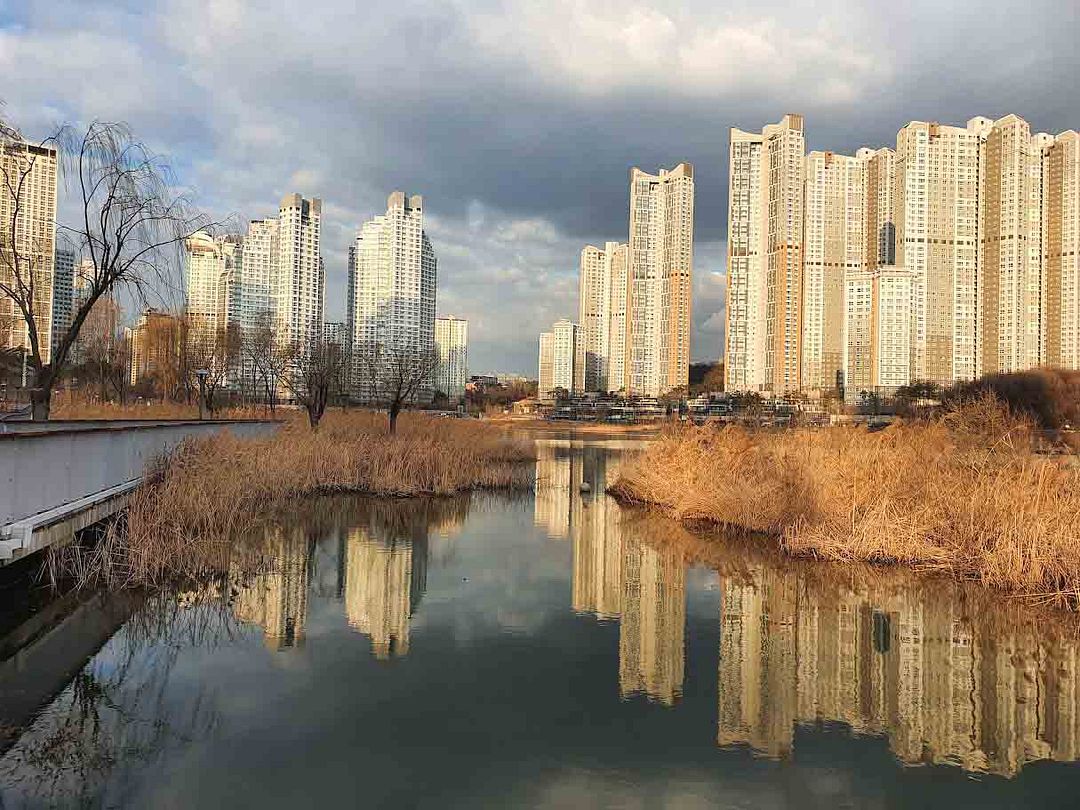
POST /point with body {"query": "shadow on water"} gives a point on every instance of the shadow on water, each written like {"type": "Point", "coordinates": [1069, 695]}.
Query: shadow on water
{"type": "Point", "coordinates": [407, 635]}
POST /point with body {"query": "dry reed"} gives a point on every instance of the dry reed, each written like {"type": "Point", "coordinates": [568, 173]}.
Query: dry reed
{"type": "Point", "coordinates": [967, 494]}
{"type": "Point", "coordinates": [212, 492]}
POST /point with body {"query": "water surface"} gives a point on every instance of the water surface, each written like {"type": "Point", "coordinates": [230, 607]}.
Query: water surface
{"type": "Point", "coordinates": [540, 649]}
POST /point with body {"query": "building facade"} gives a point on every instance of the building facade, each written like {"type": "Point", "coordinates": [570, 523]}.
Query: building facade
{"type": "Point", "coordinates": [452, 344]}
{"type": "Point", "coordinates": [391, 298]}
{"type": "Point", "coordinates": [603, 303]}
{"type": "Point", "coordinates": [877, 331]}
{"type": "Point", "coordinates": [660, 265]}
{"type": "Point", "coordinates": [63, 295]}
{"type": "Point", "coordinates": [27, 257]}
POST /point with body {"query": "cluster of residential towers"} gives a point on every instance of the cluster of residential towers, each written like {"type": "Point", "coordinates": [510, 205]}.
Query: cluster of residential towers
{"type": "Point", "coordinates": [955, 255]}
{"type": "Point", "coordinates": [632, 335]}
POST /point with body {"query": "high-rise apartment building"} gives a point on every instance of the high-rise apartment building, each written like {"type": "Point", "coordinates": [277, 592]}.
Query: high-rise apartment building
{"type": "Point", "coordinates": [937, 219]}
{"type": "Point", "coordinates": [603, 302]}
{"type": "Point", "coordinates": [63, 295]}
{"type": "Point", "coordinates": [452, 344]}
{"type": "Point", "coordinates": [660, 262]}
{"type": "Point", "coordinates": [877, 331]}
{"type": "Point", "coordinates": [562, 360]}
{"type": "Point", "coordinates": [258, 266]}
{"type": "Point", "coordinates": [210, 266]}
{"type": "Point", "coordinates": [835, 244]}
{"type": "Point", "coordinates": [1061, 251]}
{"type": "Point", "coordinates": [765, 257]}
{"type": "Point", "coordinates": [391, 298]}
{"type": "Point", "coordinates": [1010, 242]}
{"type": "Point", "coordinates": [26, 258]}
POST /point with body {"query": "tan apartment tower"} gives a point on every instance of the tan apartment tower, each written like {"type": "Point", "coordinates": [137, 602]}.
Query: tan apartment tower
{"type": "Point", "coordinates": [660, 258]}
{"type": "Point", "coordinates": [1061, 251]}
{"type": "Point", "coordinates": [877, 331]}
{"type": "Point", "coordinates": [1010, 242]}
{"type": "Point", "coordinates": [27, 262]}
{"type": "Point", "coordinates": [603, 302]}
{"type": "Point", "coordinates": [835, 244]}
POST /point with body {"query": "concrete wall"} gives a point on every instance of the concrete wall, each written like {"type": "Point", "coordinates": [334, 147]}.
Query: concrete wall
{"type": "Point", "coordinates": [55, 463]}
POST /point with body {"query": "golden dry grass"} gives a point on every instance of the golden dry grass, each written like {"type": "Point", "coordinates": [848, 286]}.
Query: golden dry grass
{"type": "Point", "coordinates": [212, 491]}
{"type": "Point", "coordinates": [966, 494]}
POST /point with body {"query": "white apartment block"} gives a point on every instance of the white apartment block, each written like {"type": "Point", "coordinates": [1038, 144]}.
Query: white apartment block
{"type": "Point", "coordinates": [32, 170]}
{"type": "Point", "coordinates": [568, 356]}
{"type": "Point", "coordinates": [877, 331]}
{"type": "Point", "coordinates": [603, 302]}
{"type": "Point", "coordinates": [391, 299]}
{"type": "Point", "coordinates": [297, 286]}
{"type": "Point", "coordinates": [937, 217]}
{"type": "Point", "coordinates": [209, 267]}
{"type": "Point", "coordinates": [452, 344]}
{"type": "Point", "coordinates": [660, 261]}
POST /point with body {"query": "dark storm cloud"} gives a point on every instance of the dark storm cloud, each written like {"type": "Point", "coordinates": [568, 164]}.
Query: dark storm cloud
{"type": "Point", "coordinates": [518, 121]}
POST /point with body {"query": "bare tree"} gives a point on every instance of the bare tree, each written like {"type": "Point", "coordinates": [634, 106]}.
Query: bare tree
{"type": "Point", "coordinates": [269, 355]}
{"type": "Point", "coordinates": [132, 224]}
{"type": "Point", "coordinates": [314, 376]}
{"type": "Point", "coordinates": [393, 377]}
{"type": "Point", "coordinates": [215, 351]}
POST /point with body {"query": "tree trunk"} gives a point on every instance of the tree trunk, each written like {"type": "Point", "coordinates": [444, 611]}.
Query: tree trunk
{"type": "Point", "coordinates": [395, 409]}
{"type": "Point", "coordinates": [41, 395]}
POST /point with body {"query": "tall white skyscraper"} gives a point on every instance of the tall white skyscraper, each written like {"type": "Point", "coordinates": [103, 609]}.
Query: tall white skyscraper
{"type": "Point", "coordinates": [562, 359]}
{"type": "Point", "coordinates": [546, 369]}
{"type": "Point", "coordinates": [877, 331]}
{"type": "Point", "coordinates": [603, 302]}
{"type": "Point", "coordinates": [298, 288]}
{"type": "Point", "coordinates": [660, 262]}
{"type": "Point", "coordinates": [452, 343]}
{"type": "Point", "coordinates": [31, 170]}
{"type": "Point", "coordinates": [765, 258]}
{"type": "Point", "coordinates": [392, 287]}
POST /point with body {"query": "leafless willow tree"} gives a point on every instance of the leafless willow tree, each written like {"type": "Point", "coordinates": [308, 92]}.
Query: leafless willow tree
{"type": "Point", "coordinates": [314, 376]}
{"type": "Point", "coordinates": [393, 377]}
{"type": "Point", "coordinates": [131, 224]}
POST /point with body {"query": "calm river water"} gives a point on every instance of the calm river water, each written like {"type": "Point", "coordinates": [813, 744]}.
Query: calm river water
{"type": "Point", "coordinates": [540, 649]}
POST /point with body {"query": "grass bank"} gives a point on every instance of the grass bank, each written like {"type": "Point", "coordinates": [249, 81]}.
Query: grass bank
{"type": "Point", "coordinates": [967, 494]}
{"type": "Point", "coordinates": [212, 490]}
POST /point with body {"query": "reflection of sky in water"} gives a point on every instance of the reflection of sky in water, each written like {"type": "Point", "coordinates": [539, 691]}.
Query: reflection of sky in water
{"type": "Point", "coordinates": [551, 650]}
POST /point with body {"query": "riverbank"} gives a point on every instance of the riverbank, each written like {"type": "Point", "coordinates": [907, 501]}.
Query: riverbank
{"type": "Point", "coordinates": [211, 491]}
{"type": "Point", "coordinates": [566, 427]}
{"type": "Point", "coordinates": [968, 494]}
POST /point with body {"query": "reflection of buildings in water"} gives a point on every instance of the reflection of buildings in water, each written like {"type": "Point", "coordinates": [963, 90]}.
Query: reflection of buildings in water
{"type": "Point", "coordinates": [909, 665]}
{"type": "Point", "coordinates": [277, 598]}
{"type": "Point", "coordinates": [558, 481]}
{"type": "Point", "coordinates": [597, 577]}
{"type": "Point", "coordinates": [618, 576]}
{"type": "Point", "coordinates": [383, 586]}
{"type": "Point", "coordinates": [652, 627]}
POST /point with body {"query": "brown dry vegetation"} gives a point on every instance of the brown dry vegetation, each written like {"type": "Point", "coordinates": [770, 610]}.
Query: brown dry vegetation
{"type": "Point", "coordinates": [965, 494]}
{"type": "Point", "coordinates": [214, 490]}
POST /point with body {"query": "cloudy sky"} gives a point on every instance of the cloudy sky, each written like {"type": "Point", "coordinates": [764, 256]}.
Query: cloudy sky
{"type": "Point", "coordinates": [517, 120]}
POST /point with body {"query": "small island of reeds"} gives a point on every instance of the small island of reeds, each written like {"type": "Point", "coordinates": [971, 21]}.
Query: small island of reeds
{"type": "Point", "coordinates": [977, 492]}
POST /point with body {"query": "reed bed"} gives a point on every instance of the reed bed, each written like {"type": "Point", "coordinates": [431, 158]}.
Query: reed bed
{"type": "Point", "coordinates": [211, 493]}
{"type": "Point", "coordinates": [969, 494]}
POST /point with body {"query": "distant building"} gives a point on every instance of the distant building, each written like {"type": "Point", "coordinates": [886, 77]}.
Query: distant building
{"type": "Point", "coordinates": [562, 360]}
{"type": "Point", "coordinates": [35, 236]}
{"type": "Point", "coordinates": [603, 304]}
{"type": "Point", "coordinates": [877, 332]}
{"type": "Point", "coordinates": [335, 332]}
{"type": "Point", "coordinates": [63, 293]}
{"type": "Point", "coordinates": [155, 345]}
{"type": "Point", "coordinates": [391, 298]}
{"type": "Point", "coordinates": [451, 342]}
{"type": "Point", "coordinates": [660, 259]}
